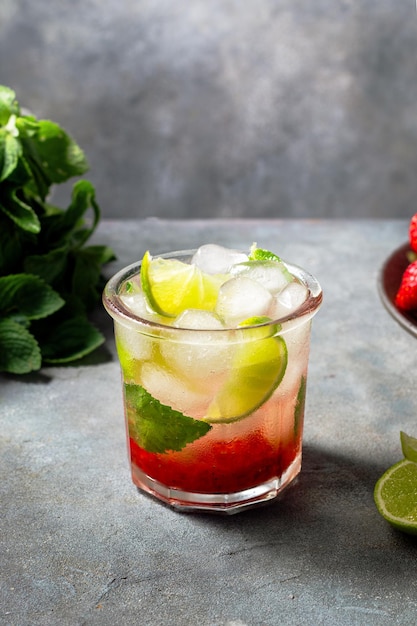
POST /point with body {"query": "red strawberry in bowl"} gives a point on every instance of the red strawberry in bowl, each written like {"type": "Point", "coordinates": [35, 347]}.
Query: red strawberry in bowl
{"type": "Point", "coordinates": [406, 297]}
{"type": "Point", "coordinates": [412, 233]}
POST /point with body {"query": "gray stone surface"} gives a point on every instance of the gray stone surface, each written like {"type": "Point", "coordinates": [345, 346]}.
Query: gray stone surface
{"type": "Point", "coordinates": [272, 108]}
{"type": "Point", "coordinates": [81, 546]}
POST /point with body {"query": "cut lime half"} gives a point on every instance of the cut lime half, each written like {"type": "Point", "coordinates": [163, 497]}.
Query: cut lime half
{"type": "Point", "coordinates": [395, 496]}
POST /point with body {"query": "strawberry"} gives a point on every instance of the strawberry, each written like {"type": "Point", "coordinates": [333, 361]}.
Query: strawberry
{"type": "Point", "coordinates": [412, 233]}
{"type": "Point", "coordinates": [406, 298]}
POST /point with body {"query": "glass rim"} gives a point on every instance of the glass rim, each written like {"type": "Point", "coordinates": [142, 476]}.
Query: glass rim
{"type": "Point", "coordinates": [119, 312]}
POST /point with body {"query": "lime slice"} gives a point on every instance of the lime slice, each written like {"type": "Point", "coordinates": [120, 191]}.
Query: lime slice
{"type": "Point", "coordinates": [171, 286]}
{"type": "Point", "coordinates": [409, 447]}
{"type": "Point", "coordinates": [396, 496]}
{"type": "Point", "coordinates": [257, 369]}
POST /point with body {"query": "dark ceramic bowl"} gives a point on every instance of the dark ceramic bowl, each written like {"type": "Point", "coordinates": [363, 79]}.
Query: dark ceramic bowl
{"type": "Point", "coordinates": [389, 281]}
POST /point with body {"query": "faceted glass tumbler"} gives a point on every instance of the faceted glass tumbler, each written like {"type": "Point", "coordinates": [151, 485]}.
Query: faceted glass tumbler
{"type": "Point", "coordinates": [214, 418]}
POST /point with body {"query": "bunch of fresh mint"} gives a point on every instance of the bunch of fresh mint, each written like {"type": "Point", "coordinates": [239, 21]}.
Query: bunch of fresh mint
{"type": "Point", "coordinates": [49, 279]}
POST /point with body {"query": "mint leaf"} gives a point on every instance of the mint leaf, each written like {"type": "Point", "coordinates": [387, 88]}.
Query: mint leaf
{"type": "Point", "coordinates": [48, 266]}
{"type": "Point", "coordinates": [10, 248]}
{"type": "Point", "coordinates": [70, 340]}
{"type": "Point", "coordinates": [27, 295]}
{"type": "Point", "coordinates": [53, 150]}
{"type": "Point", "coordinates": [68, 226]}
{"type": "Point", "coordinates": [258, 254]}
{"type": "Point", "coordinates": [18, 178]}
{"type": "Point", "coordinates": [157, 427]}
{"type": "Point", "coordinates": [27, 125]}
{"type": "Point", "coordinates": [83, 198]}
{"type": "Point", "coordinates": [19, 350]}
{"type": "Point", "coordinates": [87, 270]}
{"type": "Point", "coordinates": [8, 104]}
{"type": "Point", "coordinates": [19, 211]}
{"type": "Point", "coordinates": [10, 151]}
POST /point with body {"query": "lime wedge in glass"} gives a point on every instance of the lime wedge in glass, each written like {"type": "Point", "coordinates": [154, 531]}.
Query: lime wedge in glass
{"type": "Point", "coordinates": [257, 369]}
{"type": "Point", "coordinates": [172, 286]}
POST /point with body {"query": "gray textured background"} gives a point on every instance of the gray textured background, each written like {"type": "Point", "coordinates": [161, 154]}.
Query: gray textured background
{"type": "Point", "coordinates": [273, 108]}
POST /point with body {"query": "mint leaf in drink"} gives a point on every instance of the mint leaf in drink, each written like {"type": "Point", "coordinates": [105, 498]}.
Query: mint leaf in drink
{"type": "Point", "coordinates": [258, 254]}
{"type": "Point", "coordinates": [157, 427]}
{"type": "Point", "coordinates": [19, 350]}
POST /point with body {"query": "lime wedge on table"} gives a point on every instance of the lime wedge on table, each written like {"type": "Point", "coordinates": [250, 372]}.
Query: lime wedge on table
{"type": "Point", "coordinates": [395, 496]}
{"type": "Point", "coordinates": [172, 286]}
{"type": "Point", "coordinates": [257, 369]}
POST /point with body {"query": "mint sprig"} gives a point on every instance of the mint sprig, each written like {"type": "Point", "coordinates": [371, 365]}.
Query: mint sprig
{"type": "Point", "coordinates": [157, 427]}
{"type": "Point", "coordinates": [259, 254]}
{"type": "Point", "coordinates": [49, 278]}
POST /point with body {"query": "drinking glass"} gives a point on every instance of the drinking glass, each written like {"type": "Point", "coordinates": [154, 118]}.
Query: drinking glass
{"type": "Point", "coordinates": [214, 418]}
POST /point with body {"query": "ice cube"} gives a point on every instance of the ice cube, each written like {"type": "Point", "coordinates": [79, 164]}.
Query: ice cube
{"type": "Point", "coordinates": [273, 275]}
{"type": "Point", "coordinates": [136, 303]}
{"type": "Point", "coordinates": [240, 298]}
{"type": "Point", "coordinates": [197, 355]}
{"type": "Point", "coordinates": [200, 355]}
{"type": "Point", "coordinates": [214, 259]}
{"type": "Point", "coordinates": [132, 346]}
{"type": "Point", "coordinates": [173, 391]}
{"type": "Point", "coordinates": [288, 300]}
{"type": "Point", "coordinates": [198, 319]}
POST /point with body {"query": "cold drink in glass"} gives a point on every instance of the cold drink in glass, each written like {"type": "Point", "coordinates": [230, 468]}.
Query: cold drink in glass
{"type": "Point", "coordinates": [213, 346]}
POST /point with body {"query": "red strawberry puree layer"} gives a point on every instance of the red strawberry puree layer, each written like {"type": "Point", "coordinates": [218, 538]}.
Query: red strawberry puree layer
{"type": "Point", "coordinates": [221, 468]}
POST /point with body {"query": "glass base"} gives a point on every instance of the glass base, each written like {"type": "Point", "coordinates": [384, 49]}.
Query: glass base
{"type": "Point", "coordinates": [225, 503]}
